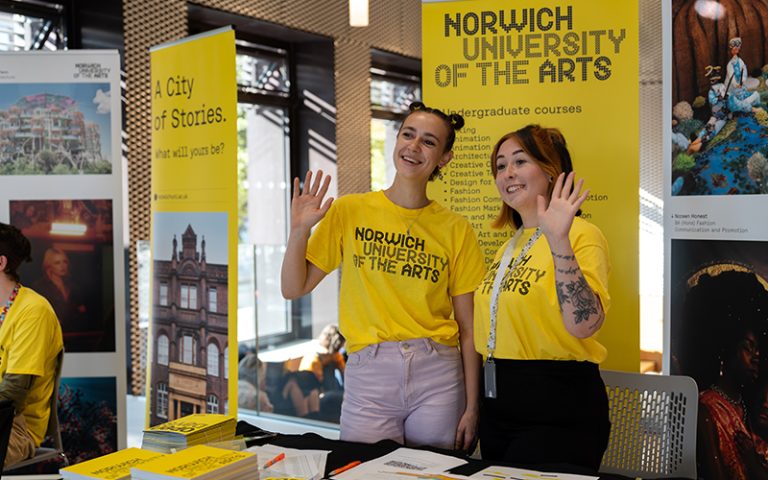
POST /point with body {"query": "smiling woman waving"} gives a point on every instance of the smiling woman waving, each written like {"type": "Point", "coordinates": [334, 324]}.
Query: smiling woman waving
{"type": "Point", "coordinates": [538, 309]}
{"type": "Point", "coordinates": [409, 270]}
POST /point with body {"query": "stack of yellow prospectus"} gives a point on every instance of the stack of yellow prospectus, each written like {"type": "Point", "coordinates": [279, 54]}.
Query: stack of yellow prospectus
{"type": "Point", "coordinates": [197, 429]}
{"type": "Point", "coordinates": [114, 466]}
{"type": "Point", "coordinates": [200, 462]}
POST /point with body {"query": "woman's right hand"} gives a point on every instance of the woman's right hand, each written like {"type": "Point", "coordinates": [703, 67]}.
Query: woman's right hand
{"type": "Point", "coordinates": [307, 206]}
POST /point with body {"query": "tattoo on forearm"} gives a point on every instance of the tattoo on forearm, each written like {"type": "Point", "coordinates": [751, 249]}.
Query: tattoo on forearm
{"type": "Point", "coordinates": [570, 271]}
{"type": "Point", "coordinates": [580, 296]}
{"type": "Point", "coordinates": [563, 257]}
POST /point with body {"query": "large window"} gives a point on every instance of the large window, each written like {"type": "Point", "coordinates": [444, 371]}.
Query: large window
{"type": "Point", "coordinates": [285, 126]}
{"type": "Point", "coordinates": [27, 25]}
{"type": "Point", "coordinates": [395, 84]}
{"type": "Point", "coordinates": [264, 88]}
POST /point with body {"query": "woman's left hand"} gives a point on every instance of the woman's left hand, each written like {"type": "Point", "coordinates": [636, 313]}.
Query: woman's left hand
{"type": "Point", "coordinates": [466, 432]}
{"type": "Point", "coordinates": [555, 219]}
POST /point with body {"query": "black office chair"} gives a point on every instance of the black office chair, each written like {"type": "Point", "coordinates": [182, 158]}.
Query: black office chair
{"type": "Point", "coordinates": [44, 454]}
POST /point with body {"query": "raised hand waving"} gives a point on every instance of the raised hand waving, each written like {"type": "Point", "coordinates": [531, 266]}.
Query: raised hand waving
{"type": "Point", "coordinates": [307, 205]}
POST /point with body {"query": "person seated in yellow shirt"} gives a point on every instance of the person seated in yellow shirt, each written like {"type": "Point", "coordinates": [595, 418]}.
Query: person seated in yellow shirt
{"type": "Point", "coordinates": [30, 342]}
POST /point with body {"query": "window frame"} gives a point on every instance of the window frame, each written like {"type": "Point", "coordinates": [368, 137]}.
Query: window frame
{"type": "Point", "coordinates": [212, 361]}
{"type": "Point", "coordinates": [163, 351]}
{"type": "Point", "coordinates": [57, 13]}
{"type": "Point", "coordinates": [213, 294]}
{"type": "Point", "coordinates": [162, 400]}
{"type": "Point", "coordinates": [212, 404]}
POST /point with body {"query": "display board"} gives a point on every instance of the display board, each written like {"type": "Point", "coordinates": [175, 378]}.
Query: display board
{"type": "Point", "coordinates": [194, 228]}
{"type": "Point", "coordinates": [570, 65]}
{"type": "Point", "coordinates": [61, 185]}
{"type": "Point", "coordinates": [715, 233]}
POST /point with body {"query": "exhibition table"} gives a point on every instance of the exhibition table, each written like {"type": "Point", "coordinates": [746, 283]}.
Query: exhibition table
{"type": "Point", "coordinates": [342, 453]}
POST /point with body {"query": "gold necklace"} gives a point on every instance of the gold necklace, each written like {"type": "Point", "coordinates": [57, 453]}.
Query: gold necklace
{"type": "Point", "coordinates": [404, 217]}
{"type": "Point", "coordinates": [736, 403]}
{"type": "Point", "coordinates": [411, 224]}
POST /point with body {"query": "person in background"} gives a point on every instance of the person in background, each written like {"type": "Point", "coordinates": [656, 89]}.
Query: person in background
{"type": "Point", "coordinates": [30, 342]}
{"type": "Point", "coordinates": [538, 309]}
{"type": "Point", "coordinates": [409, 268]}
{"type": "Point", "coordinates": [327, 358]}
{"type": "Point", "coordinates": [306, 387]}
{"type": "Point", "coordinates": [251, 385]}
{"type": "Point", "coordinates": [56, 285]}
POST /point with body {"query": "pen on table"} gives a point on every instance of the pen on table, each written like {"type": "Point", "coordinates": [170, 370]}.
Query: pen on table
{"type": "Point", "coordinates": [345, 468]}
{"type": "Point", "coordinates": [273, 461]}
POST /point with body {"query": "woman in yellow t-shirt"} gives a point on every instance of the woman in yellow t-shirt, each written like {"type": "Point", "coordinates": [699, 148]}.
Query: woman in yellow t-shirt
{"type": "Point", "coordinates": [409, 268]}
{"type": "Point", "coordinates": [544, 400]}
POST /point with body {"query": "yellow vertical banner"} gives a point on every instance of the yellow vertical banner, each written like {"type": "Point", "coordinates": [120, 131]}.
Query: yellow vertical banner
{"type": "Point", "coordinates": [192, 345]}
{"type": "Point", "coordinates": [565, 64]}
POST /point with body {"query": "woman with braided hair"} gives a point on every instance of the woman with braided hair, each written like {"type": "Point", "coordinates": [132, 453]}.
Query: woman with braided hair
{"type": "Point", "coordinates": [409, 269]}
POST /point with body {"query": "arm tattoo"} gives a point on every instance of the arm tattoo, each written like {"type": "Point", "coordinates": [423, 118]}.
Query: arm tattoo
{"type": "Point", "coordinates": [563, 257]}
{"type": "Point", "coordinates": [580, 296]}
{"type": "Point", "coordinates": [570, 271]}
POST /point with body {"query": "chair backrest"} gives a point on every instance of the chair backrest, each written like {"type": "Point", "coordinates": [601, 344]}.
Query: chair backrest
{"type": "Point", "coordinates": [653, 425]}
{"type": "Point", "coordinates": [57, 451]}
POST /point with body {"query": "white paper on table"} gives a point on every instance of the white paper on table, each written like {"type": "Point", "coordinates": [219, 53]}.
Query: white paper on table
{"type": "Point", "coordinates": [510, 473]}
{"type": "Point", "coordinates": [405, 463]}
{"type": "Point", "coordinates": [297, 462]}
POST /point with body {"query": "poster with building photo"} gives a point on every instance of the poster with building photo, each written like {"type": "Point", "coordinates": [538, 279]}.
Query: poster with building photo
{"type": "Point", "coordinates": [55, 128]}
{"type": "Point", "coordinates": [189, 328]}
{"type": "Point", "coordinates": [72, 266]}
{"type": "Point", "coordinates": [194, 228]}
{"type": "Point", "coordinates": [61, 184]}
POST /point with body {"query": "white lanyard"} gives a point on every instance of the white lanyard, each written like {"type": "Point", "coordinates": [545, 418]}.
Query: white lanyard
{"type": "Point", "coordinates": [505, 259]}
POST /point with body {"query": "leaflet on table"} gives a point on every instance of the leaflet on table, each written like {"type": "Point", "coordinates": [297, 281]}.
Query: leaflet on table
{"type": "Point", "coordinates": [509, 473]}
{"type": "Point", "coordinates": [405, 463]}
{"type": "Point", "coordinates": [309, 464]}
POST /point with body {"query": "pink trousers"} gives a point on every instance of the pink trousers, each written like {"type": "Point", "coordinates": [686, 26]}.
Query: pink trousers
{"type": "Point", "coordinates": [410, 391]}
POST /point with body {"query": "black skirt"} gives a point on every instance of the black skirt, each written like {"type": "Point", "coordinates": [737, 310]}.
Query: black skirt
{"type": "Point", "coordinates": [546, 412]}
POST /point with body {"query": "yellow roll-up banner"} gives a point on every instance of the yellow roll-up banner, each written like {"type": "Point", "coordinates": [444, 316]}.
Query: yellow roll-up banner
{"type": "Point", "coordinates": [572, 65]}
{"type": "Point", "coordinates": [194, 228]}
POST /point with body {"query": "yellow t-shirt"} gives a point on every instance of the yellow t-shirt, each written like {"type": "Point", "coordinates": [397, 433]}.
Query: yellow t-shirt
{"type": "Point", "coordinates": [30, 340]}
{"type": "Point", "coordinates": [394, 286]}
{"type": "Point", "coordinates": [529, 325]}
